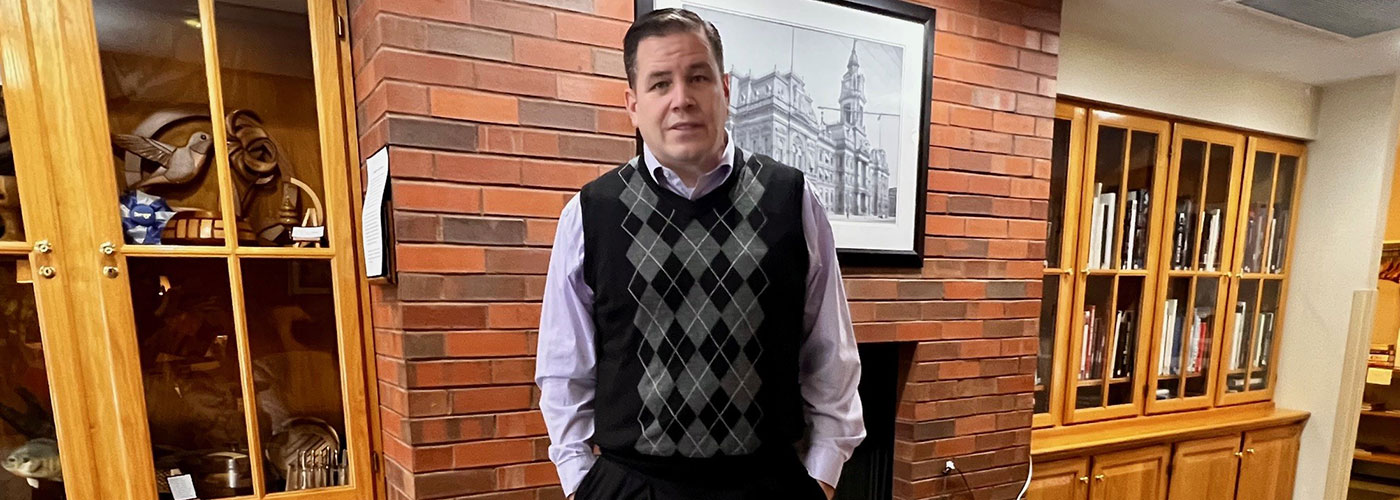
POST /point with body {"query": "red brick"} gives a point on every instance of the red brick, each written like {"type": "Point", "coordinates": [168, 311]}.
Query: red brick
{"type": "Point", "coordinates": [616, 9]}
{"type": "Point", "coordinates": [961, 116]}
{"type": "Point", "coordinates": [590, 30]}
{"type": "Point", "coordinates": [437, 197]}
{"type": "Point", "coordinates": [431, 458]}
{"type": "Point", "coordinates": [485, 453]}
{"type": "Point", "coordinates": [540, 232]}
{"type": "Point", "coordinates": [439, 258]}
{"type": "Point", "coordinates": [1033, 147]}
{"type": "Point", "coordinates": [1037, 62]}
{"type": "Point", "coordinates": [557, 174]}
{"type": "Point", "coordinates": [614, 121]}
{"type": "Point", "coordinates": [448, 373]}
{"type": "Point", "coordinates": [482, 344]}
{"type": "Point", "coordinates": [457, 11]}
{"type": "Point", "coordinates": [513, 315]}
{"type": "Point", "coordinates": [993, 142]}
{"type": "Point", "coordinates": [526, 476]}
{"type": "Point", "coordinates": [553, 54]}
{"type": "Point", "coordinates": [411, 163]}
{"type": "Point", "coordinates": [489, 399]}
{"type": "Point", "coordinates": [471, 105]}
{"type": "Point", "coordinates": [416, 67]}
{"type": "Point", "coordinates": [530, 423]}
{"type": "Point", "coordinates": [976, 227]}
{"type": "Point", "coordinates": [476, 168]}
{"type": "Point", "coordinates": [528, 202]}
{"type": "Point", "coordinates": [521, 141]}
{"type": "Point", "coordinates": [956, 290]}
{"type": "Point", "coordinates": [1014, 124]}
{"type": "Point", "coordinates": [433, 316]}
{"type": "Point", "coordinates": [515, 80]}
{"type": "Point", "coordinates": [517, 260]}
{"type": "Point", "coordinates": [592, 90]}
{"type": "Point", "coordinates": [512, 17]}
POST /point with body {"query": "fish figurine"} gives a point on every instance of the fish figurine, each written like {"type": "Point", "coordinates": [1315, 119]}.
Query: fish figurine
{"type": "Point", "coordinates": [177, 165]}
{"type": "Point", "coordinates": [35, 460]}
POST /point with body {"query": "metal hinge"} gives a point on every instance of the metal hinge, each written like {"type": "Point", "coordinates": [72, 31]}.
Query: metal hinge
{"type": "Point", "coordinates": [339, 26]}
{"type": "Point", "coordinates": [374, 459]}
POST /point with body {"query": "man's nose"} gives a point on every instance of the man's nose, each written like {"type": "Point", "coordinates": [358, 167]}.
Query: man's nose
{"type": "Point", "coordinates": [682, 97]}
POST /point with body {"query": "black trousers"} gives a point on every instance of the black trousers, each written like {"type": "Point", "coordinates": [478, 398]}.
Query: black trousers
{"type": "Point", "coordinates": [763, 476]}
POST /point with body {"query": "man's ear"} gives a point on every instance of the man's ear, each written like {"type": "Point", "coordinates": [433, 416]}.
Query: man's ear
{"type": "Point", "coordinates": [630, 97]}
{"type": "Point", "coordinates": [725, 79]}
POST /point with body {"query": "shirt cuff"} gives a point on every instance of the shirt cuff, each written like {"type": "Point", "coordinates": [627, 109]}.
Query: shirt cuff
{"type": "Point", "coordinates": [571, 472]}
{"type": "Point", "coordinates": [824, 463]}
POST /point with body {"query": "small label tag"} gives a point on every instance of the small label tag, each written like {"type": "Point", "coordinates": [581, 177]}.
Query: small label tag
{"type": "Point", "coordinates": [313, 233]}
{"type": "Point", "coordinates": [182, 487]}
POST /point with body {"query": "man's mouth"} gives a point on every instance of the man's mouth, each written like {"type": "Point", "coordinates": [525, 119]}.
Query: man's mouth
{"type": "Point", "coordinates": [686, 126]}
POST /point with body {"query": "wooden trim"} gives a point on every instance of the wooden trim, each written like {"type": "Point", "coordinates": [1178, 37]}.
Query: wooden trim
{"type": "Point", "coordinates": [1098, 437]}
{"type": "Point", "coordinates": [14, 247]}
{"type": "Point", "coordinates": [328, 67]}
{"type": "Point", "coordinates": [287, 252]}
{"type": "Point", "coordinates": [1069, 238]}
{"type": "Point", "coordinates": [1120, 108]}
{"type": "Point", "coordinates": [213, 72]}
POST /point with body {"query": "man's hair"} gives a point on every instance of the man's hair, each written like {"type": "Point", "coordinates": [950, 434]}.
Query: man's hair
{"type": "Point", "coordinates": [664, 22]}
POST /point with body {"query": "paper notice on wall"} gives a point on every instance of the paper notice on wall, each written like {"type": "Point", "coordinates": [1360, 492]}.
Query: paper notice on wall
{"type": "Point", "coordinates": [371, 216]}
{"type": "Point", "coordinates": [1379, 376]}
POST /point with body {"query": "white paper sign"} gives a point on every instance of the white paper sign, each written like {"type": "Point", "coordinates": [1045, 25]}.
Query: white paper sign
{"type": "Point", "coordinates": [313, 233]}
{"type": "Point", "coordinates": [1378, 376]}
{"type": "Point", "coordinates": [182, 487]}
{"type": "Point", "coordinates": [372, 230]}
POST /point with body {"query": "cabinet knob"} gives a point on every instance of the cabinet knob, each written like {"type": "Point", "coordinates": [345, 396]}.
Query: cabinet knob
{"type": "Point", "coordinates": [43, 246]}
{"type": "Point", "coordinates": [1098, 477]}
{"type": "Point", "coordinates": [1084, 479]}
{"type": "Point", "coordinates": [47, 272]}
{"type": "Point", "coordinates": [1239, 454]}
{"type": "Point", "coordinates": [108, 248]}
{"type": "Point", "coordinates": [110, 271]}
{"type": "Point", "coordinates": [1249, 451]}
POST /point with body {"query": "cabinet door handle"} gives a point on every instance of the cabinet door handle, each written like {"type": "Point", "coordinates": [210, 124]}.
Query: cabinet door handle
{"type": "Point", "coordinates": [1239, 454]}
{"type": "Point", "coordinates": [1084, 479]}
{"type": "Point", "coordinates": [43, 246]}
{"type": "Point", "coordinates": [1098, 477]}
{"type": "Point", "coordinates": [1249, 451]}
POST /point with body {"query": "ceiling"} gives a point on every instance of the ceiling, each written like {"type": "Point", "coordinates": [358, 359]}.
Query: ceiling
{"type": "Point", "coordinates": [1224, 34]}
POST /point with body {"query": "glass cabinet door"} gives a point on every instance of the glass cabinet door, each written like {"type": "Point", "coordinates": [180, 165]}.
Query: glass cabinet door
{"type": "Point", "coordinates": [1066, 166]}
{"type": "Point", "coordinates": [1124, 177]}
{"type": "Point", "coordinates": [1196, 253]}
{"type": "Point", "coordinates": [227, 145]}
{"type": "Point", "coordinates": [1271, 178]}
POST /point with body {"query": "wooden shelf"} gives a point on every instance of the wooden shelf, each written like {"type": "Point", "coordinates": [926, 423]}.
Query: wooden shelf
{"type": "Point", "coordinates": [1376, 457]}
{"type": "Point", "coordinates": [1143, 431]}
{"type": "Point", "coordinates": [1099, 381]}
{"type": "Point", "coordinates": [211, 251]}
{"type": "Point", "coordinates": [285, 252]}
{"type": "Point", "coordinates": [12, 247]}
{"type": "Point", "coordinates": [1388, 414]}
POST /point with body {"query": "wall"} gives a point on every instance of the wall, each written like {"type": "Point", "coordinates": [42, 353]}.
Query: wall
{"type": "Point", "coordinates": [496, 112]}
{"type": "Point", "coordinates": [1335, 252]}
{"type": "Point", "coordinates": [1109, 72]}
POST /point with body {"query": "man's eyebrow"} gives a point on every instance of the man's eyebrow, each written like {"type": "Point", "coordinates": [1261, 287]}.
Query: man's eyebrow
{"type": "Point", "coordinates": [660, 73]}
{"type": "Point", "coordinates": [699, 65]}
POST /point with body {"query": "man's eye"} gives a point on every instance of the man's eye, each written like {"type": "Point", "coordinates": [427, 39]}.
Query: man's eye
{"type": "Point", "coordinates": [699, 78]}
{"type": "Point", "coordinates": [660, 85]}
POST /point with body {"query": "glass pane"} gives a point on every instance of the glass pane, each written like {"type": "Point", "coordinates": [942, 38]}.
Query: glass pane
{"type": "Point", "coordinates": [1217, 203]}
{"type": "Point", "coordinates": [1059, 179]}
{"type": "Point", "coordinates": [27, 437]}
{"type": "Point", "coordinates": [1098, 301]}
{"type": "Point", "coordinates": [269, 97]}
{"type": "Point", "coordinates": [296, 371]}
{"type": "Point", "coordinates": [1103, 201]}
{"type": "Point", "coordinates": [1123, 341]}
{"type": "Point", "coordinates": [11, 224]}
{"type": "Point", "coordinates": [153, 74]}
{"type": "Point", "coordinates": [1243, 340]}
{"type": "Point", "coordinates": [1184, 235]}
{"type": "Point", "coordinates": [1049, 304]}
{"type": "Point", "coordinates": [1174, 326]}
{"type": "Point", "coordinates": [1134, 221]}
{"type": "Point", "coordinates": [1283, 202]}
{"type": "Point", "coordinates": [1257, 217]}
{"type": "Point", "coordinates": [189, 362]}
{"type": "Point", "coordinates": [1266, 327]}
{"type": "Point", "coordinates": [1198, 354]}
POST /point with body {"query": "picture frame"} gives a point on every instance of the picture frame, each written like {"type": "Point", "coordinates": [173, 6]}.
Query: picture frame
{"type": "Point", "coordinates": [850, 108]}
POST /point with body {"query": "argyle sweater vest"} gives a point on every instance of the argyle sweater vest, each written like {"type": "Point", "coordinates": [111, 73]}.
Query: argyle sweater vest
{"type": "Point", "coordinates": [697, 309]}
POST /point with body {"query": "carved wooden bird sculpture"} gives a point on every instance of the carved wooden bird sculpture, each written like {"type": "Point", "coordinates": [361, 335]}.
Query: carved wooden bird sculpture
{"type": "Point", "coordinates": [177, 165]}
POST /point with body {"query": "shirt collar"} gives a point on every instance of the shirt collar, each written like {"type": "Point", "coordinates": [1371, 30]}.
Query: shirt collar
{"type": "Point", "coordinates": [726, 164]}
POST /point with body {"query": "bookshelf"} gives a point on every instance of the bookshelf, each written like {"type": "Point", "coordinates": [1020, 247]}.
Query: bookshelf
{"type": "Point", "coordinates": [1166, 266]}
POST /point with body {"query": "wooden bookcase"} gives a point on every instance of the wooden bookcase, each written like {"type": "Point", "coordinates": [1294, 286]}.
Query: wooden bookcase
{"type": "Point", "coordinates": [1171, 304]}
{"type": "Point", "coordinates": [228, 345]}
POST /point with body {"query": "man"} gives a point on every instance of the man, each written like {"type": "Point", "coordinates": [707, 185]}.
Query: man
{"type": "Point", "coordinates": [695, 329]}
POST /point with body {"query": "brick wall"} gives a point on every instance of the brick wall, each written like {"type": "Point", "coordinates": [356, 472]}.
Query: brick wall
{"type": "Point", "coordinates": [496, 112]}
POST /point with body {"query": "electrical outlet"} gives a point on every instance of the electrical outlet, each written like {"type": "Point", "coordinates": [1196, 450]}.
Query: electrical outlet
{"type": "Point", "coordinates": [949, 467]}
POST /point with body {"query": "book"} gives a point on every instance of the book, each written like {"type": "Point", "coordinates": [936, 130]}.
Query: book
{"type": "Point", "coordinates": [1183, 236]}
{"type": "Point", "coordinates": [1086, 356]}
{"type": "Point", "coordinates": [1241, 315]}
{"type": "Point", "coordinates": [1212, 246]}
{"type": "Point", "coordinates": [1264, 339]}
{"type": "Point", "coordinates": [1144, 210]}
{"type": "Point", "coordinates": [1280, 241]}
{"type": "Point", "coordinates": [1165, 364]}
{"type": "Point", "coordinates": [1110, 221]}
{"type": "Point", "coordinates": [1130, 232]}
{"type": "Point", "coordinates": [1127, 343]}
{"type": "Point", "coordinates": [1096, 228]}
{"type": "Point", "coordinates": [1193, 342]}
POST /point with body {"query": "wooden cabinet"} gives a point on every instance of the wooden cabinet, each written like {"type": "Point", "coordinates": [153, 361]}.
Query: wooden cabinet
{"type": "Point", "coordinates": [1060, 480]}
{"type": "Point", "coordinates": [1203, 468]}
{"type": "Point", "coordinates": [1139, 474]}
{"type": "Point", "coordinates": [1220, 454]}
{"type": "Point", "coordinates": [1268, 464]}
{"type": "Point", "coordinates": [178, 275]}
{"type": "Point", "coordinates": [1166, 266]}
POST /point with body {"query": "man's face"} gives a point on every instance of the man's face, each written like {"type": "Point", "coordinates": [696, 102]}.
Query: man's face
{"type": "Point", "coordinates": [680, 100]}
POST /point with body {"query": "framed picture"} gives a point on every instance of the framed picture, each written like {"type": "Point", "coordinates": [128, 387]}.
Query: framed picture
{"type": "Point", "coordinates": [840, 89]}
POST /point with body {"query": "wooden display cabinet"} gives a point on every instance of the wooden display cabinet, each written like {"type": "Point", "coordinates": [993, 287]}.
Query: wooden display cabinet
{"type": "Point", "coordinates": [1126, 161]}
{"type": "Point", "coordinates": [234, 343]}
{"type": "Point", "coordinates": [1060, 250]}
